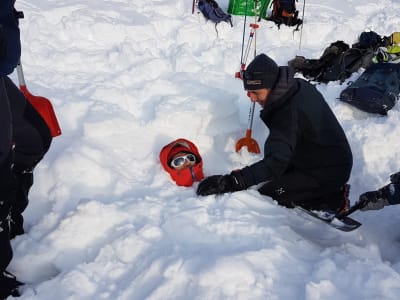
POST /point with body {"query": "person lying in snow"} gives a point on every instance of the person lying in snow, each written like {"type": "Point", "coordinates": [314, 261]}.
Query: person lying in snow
{"type": "Point", "coordinates": [307, 158]}
{"type": "Point", "coordinates": [182, 160]}
{"type": "Point", "coordinates": [385, 196]}
{"type": "Point", "coordinates": [24, 140]}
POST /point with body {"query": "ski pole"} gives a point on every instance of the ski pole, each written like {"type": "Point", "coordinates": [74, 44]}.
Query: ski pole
{"type": "Point", "coordinates": [302, 22]}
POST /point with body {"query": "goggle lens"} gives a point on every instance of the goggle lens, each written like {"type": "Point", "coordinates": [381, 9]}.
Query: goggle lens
{"type": "Point", "coordinates": [180, 160]}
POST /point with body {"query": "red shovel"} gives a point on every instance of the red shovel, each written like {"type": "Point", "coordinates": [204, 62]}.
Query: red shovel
{"type": "Point", "coordinates": [247, 141]}
{"type": "Point", "coordinates": [41, 104]}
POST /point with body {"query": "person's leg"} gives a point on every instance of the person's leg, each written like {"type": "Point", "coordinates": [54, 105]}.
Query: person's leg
{"type": "Point", "coordinates": [32, 139]}
{"type": "Point", "coordinates": [296, 188]}
{"type": "Point", "coordinates": [7, 192]}
{"type": "Point", "coordinates": [8, 195]}
{"type": "Point", "coordinates": [8, 283]}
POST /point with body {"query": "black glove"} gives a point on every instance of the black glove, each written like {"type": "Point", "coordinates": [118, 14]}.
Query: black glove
{"type": "Point", "coordinates": [373, 200]}
{"type": "Point", "coordinates": [220, 184]}
{"type": "Point", "coordinates": [3, 44]}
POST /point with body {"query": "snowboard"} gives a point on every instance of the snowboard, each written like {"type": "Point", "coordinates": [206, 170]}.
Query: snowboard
{"type": "Point", "coordinates": [340, 222]}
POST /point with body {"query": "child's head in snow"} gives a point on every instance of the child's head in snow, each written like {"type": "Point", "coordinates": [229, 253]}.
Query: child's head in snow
{"type": "Point", "coordinates": [182, 160]}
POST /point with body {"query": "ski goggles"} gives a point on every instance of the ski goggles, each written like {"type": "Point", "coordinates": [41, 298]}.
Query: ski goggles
{"type": "Point", "coordinates": [180, 160]}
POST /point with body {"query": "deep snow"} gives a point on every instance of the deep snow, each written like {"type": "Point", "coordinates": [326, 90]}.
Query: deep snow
{"type": "Point", "coordinates": [106, 222]}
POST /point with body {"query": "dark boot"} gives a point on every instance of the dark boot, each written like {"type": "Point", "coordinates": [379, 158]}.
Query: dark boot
{"type": "Point", "coordinates": [9, 285]}
{"type": "Point", "coordinates": [345, 201]}
{"type": "Point", "coordinates": [334, 202]}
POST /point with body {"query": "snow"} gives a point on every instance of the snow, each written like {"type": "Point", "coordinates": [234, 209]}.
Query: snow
{"type": "Point", "coordinates": [105, 221]}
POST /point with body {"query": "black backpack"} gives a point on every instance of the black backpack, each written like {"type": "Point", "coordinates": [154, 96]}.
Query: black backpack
{"type": "Point", "coordinates": [376, 90]}
{"type": "Point", "coordinates": [345, 64]}
{"type": "Point", "coordinates": [370, 39]}
{"type": "Point", "coordinates": [285, 12]}
{"type": "Point", "coordinates": [314, 69]}
{"type": "Point", "coordinates": [337, 62]}
{"type": "Point", "coordinates": [211, 11]}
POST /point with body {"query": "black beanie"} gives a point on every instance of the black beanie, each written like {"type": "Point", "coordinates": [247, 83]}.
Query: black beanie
{"type": "Point", "coordinates": [261, 73]}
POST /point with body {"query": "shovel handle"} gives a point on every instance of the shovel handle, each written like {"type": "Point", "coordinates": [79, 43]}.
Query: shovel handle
{"type": "Point", "coordinates": [251, 114]}
{"type": "Point", "coordinates": [20, 74]}
{"type": "Point", "coordinates": [248, 134]}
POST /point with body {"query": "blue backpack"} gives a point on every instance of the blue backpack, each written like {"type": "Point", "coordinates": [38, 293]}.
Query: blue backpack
{"type": "Point", "coordinates": [211, 11]}
{"type": "Point", "coordinates": [376, 90]}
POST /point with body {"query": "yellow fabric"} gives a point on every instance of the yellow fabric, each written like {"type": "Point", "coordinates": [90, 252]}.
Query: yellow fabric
{"type": "Point", "coordinates": [395, 37]}
{"type": "Point", "coordinates": [393, 49]}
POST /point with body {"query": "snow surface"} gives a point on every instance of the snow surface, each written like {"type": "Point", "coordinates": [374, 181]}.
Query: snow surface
{"type": "Point", "coordinates": [126, 78]}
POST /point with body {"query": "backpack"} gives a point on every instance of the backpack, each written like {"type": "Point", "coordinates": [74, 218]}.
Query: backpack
{"type": "Point", "coordinates": [285, 12]}
{"type": "Point", "coordinates": [376, 90]}
{"type": "Point", "coordinates": [211, 11]}
{"type": "Point", "coordinates": [395, 38]}
{"type": "Point", "coordinates": [337, 62]}
{"type": "Point", "coordinates": [369, 39]}
{"type": "Point", "coordinates": [346, 63]}
{"type": "Point", "coordinates": [313, 68]}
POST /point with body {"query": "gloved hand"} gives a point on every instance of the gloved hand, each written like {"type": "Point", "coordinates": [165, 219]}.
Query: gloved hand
{"type": "Point", "coordinates": [220, 184]}
{"type": "Point", "coordinates": [374, 200]}
{"type": "Point", "coordinates": [3, 44]}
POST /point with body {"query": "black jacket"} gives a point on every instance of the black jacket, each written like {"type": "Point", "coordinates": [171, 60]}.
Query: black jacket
{"type": "Point", "coordinates": [304, 135]}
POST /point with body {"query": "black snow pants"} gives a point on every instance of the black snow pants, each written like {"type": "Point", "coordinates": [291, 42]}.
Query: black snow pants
{"type": "Point", "coordinates": [24, 140]}
{"type": "Point", "coordinates": [297, 188]}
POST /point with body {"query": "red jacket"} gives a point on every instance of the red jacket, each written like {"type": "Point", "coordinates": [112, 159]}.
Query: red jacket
{"type": "Point", "coordinates": [188, 176]}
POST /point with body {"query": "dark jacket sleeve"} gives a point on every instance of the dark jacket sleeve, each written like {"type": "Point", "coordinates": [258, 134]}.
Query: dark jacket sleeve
{"type": "Point", "coordinates": [278, 148]}
{"type": "Point", "coordinates": [11, 34]}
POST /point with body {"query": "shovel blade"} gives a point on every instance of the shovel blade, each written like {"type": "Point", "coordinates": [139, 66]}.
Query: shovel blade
{"type": "Point", "coordinates": [44, 107]}
{"type": "Point", "coordinates": [250, 143]}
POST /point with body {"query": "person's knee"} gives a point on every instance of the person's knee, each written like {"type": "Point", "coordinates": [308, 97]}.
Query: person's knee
{"type": "Point", "coordinates": [276, 193]}
{"type": "Point", "coordinates": [40, 126]}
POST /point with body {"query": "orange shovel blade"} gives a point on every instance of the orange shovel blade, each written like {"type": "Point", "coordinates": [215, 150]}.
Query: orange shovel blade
{"type": "Point", "coordinates": [248, 142]}
{"type": "Point", "coordinates": [44, 107]}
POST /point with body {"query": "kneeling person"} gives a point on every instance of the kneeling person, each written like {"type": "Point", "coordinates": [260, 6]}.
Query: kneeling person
{"type": "Point", "coordinates": [307, 158]}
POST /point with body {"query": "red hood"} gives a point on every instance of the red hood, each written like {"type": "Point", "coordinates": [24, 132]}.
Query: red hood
{"type": "Point", "coordinates": [184, 177]}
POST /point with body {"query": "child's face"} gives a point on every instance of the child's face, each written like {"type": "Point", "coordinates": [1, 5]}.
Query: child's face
{"type": "Point", "coordinates": [183, 160]}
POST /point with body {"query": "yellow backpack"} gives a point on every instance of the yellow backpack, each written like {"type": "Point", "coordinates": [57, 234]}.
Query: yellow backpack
{"type": "Point", "coordinates": [395, 38]}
